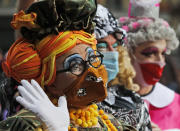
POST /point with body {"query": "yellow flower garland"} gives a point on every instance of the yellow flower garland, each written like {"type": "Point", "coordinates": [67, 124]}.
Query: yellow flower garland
{"type": "Point", "coordinates": [106, 121]}
{"type": "Point", "coordinates": [84, 117]}
{"type": "Point", "coordinates": [88, 118]}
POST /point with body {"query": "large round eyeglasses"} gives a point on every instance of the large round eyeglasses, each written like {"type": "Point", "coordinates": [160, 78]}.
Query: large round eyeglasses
{"type": "Point", "coordinates": [77, 65]}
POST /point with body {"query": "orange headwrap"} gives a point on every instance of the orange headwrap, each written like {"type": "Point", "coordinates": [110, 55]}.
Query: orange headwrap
{"type": "Point", "coordinates": [38, 61]}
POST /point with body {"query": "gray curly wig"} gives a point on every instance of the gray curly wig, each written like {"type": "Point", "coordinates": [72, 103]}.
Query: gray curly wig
{"type": "Point", "coordinates": [142, 29]}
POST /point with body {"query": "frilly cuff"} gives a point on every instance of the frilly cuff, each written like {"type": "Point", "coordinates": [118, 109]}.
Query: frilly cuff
{"type": "Point", "coordinates": [21, 19]}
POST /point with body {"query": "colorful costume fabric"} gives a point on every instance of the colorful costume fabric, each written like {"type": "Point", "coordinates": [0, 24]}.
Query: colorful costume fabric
{"type": "Point", "coordinates": [145, 29]}
{"type": "Point", "coordinates": [127, 107]}
{"type": "Point", "coordinates": [164, 105]}
{"type": "Point", "coordinates": [106, 23]}
{"type": "Point", "coordinates": [23, 121]}
{"type": "Point", "coordinates": [123, 104]}
{"type": "Point", "coordinates": [27, 121]}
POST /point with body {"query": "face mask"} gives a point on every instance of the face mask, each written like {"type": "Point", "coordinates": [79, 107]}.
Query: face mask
{"type": "Point", "coordinates": [111, 63]}
{"type": "Point", "coordinates": [152, 72]}
{"type": "Point", "coordinates": [89, 88]}
{"type": "Point", "coordinates": [148, 73]}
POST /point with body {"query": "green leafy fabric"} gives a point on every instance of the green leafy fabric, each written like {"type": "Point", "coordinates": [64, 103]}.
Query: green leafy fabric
{"type": "Point", "coordinates": [23, 121]}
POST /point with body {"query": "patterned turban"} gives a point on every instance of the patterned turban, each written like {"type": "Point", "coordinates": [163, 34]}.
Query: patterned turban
{"type": "Point", "coordinates": [106, 23]}
{"type": "Point", "coordinates": [59, 16]}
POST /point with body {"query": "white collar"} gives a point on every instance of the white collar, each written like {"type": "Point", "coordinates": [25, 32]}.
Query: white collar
{"type": "Point", "coordinates": [161, 96]}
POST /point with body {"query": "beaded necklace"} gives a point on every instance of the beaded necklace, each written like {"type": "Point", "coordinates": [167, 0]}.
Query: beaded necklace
{"type": "Point", "coordinates": [88, 117]}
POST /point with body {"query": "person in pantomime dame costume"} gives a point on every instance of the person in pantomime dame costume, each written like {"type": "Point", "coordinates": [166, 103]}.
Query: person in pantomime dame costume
{"type": "Point", "coordinates": [122, 101]}
{"type": "Point", "coordinates": [58, 51]}
{"type": "Point", "coordinates": [149, 39]}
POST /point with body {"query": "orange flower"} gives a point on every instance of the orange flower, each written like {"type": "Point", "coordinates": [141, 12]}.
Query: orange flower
{"type": "Point", "coordinates": [21, 19]}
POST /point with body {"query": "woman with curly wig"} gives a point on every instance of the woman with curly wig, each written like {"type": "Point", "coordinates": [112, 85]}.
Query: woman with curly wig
{"type": "Point", "coordinates": [149, 39]}
{"type": "Point", "coordinates": [122, 101]}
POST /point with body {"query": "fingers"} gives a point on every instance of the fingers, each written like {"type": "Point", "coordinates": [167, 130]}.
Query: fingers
{"type": "Point", "coordinates": [62, 102]}
{"type": "Point", "coordinates": [25, 94]}
{"type": "Point", "coordinates": [24, 102]}
{"type": "Point", "coordinates": [31, 89]}
{"type": "Point", "coordinates": [38, 88]}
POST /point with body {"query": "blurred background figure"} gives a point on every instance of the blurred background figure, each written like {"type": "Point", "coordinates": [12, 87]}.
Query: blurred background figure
{"type": "Point", "coordinates": [122, 101]}
{"type": "Point", "coordinates": [1, 58]}
{"type": "Point", "coordinates": [149, 40]}
{"type": "Point", "coordinates": [1, 54]}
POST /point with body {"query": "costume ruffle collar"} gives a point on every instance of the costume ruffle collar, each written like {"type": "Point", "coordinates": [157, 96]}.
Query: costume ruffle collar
{"type": "Point", "coordinates": [161, 96]}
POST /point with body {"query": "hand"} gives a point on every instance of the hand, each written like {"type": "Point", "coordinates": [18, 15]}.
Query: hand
{"type": "Point", "coordinates": [34, 99]}
{"type": "Point", "coordinates": [155, 127]}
